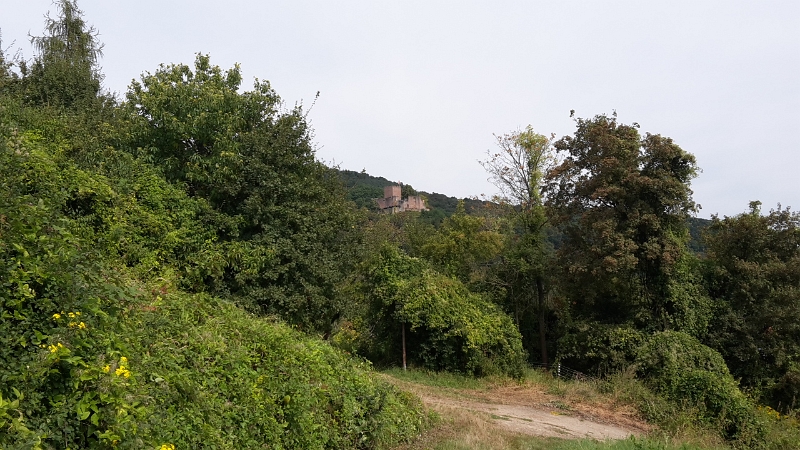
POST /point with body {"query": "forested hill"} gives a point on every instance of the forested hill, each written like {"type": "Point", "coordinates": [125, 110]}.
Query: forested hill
{"type": "Point", "coordinates": [696, 227]}
{"type": "Point", "coordinates": [363, 188]}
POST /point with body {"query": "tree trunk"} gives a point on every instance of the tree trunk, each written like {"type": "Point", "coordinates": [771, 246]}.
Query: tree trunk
{"type": "Point", "coordinates": [542, 331]}
{"type": "Point", "coordinates": [403, 327]}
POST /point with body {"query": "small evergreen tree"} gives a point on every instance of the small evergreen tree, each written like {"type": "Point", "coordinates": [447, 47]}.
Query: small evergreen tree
{"type": "Point", "coordinates": [65, 72]}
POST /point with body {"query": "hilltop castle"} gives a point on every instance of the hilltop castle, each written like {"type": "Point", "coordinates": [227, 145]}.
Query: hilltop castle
{"type": "Point", "coordinates": [392, 201]}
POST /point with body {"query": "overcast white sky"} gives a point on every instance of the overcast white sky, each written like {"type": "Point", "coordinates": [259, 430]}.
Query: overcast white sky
{"type": "Point", "coordinates": [414, 90]}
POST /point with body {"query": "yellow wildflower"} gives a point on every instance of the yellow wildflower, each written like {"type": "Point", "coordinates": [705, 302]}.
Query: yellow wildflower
{"type": "Point", "coordinates": [82, 326]}
{"type": "Point", "coordinates": [123, 361]}
{"type": "Point", "coordinates": [71, 315]}
{"type": "Point", "coordinates": [123, 372]}
{"type": "Point", "coordinates": [106, 368]}
{"type": "Point", "coordinates": [56, 316]}
{"type": "Point", "coordinates": [55, 347]}
{"type": "Point", "coordinates": [167, 447]}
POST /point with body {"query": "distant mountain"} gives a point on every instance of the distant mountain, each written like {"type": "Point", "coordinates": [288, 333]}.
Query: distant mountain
{"type": "Point", "coordinates": [363, 188]}
{"type": "Point", "coordinates": [696, 227]}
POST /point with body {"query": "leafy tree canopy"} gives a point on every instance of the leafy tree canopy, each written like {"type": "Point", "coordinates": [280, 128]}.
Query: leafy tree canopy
{"type": "Point", "coordinates": [282, 216]}
{"type": "Point", "coordinates": [622, 201]}
{"type": "Point", "coordinates": [754, 274]}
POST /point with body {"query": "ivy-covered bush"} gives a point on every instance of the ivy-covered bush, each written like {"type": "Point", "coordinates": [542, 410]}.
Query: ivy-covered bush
{"type": "Point", "coordinates": [56, 293]}
{"type": "Point", "coordinates": [210, 375]}
{"type": "Point", "coordinates": [99, 347]}
{"type": "Point", "coordinates": [447, 327]}
{"type": "Point", "coordinates": [679, 367]}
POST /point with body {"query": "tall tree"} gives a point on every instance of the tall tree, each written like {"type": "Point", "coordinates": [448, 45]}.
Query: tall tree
{"type": "Point", "coordinates": [7, 77]}
{"type": "Point", "coordinates": [754, 273]}
{"type": "Point", "coordinates": [283, 221]}
{"type": "Point", "coordinates": [517, 169]}
{"type": "Point", "coordinates": [622, 201]}
{"type": "Point", "coordinates": [65, 71]}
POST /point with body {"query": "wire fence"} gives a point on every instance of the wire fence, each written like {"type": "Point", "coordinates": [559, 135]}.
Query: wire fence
{"type": "Point", "coordinates": [563, 372]}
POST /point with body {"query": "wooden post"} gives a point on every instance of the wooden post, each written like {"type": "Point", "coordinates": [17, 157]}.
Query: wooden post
{"type": "Point", "coordinates": [403, 327]}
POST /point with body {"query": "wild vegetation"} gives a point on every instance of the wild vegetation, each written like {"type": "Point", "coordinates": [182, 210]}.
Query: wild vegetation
{"type": "Point", "coordinates": [178, 270]}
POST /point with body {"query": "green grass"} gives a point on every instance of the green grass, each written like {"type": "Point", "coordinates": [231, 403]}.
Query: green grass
{"type": "Point", "coordinates": [627, 444]}
{"type": "Point", "coordinates": [444, 379]}
{"type": "Point", "coordinates": [534, 443]}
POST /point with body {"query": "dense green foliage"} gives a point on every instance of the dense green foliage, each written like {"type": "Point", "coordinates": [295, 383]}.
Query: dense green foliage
{"type": "Point", "coordinates": [229, 380]}
{"type": "Point", "coordinates": [678, 366]}
{"type": "Point", "coordinates": [91, 356]}
{"type": "Point", "coordinates": [448, 327]}
{"type": "Point", "coordinates": [101, 345]}
{"type": "Point", "coordinates": [283, 222]}
{"type": "Point", "coordinates": [754, 273]}
{"type": "Point", "coordinates": [462, 246]}
{"type": "Point", "coordinates": [622, 202]}
{"type": "Point", "coordinates": [168, 262]}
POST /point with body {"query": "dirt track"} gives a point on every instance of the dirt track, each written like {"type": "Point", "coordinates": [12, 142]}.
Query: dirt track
{"type": "Point", "coordinates": [532, 411]}
{"type": "Point", "coordinates": [533, 421]}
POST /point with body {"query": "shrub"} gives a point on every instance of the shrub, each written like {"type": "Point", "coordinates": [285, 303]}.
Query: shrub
{"type": "Point", "coordinates": [210, 374]}
{"type": "Point", "coordinates": [448, 327]}
{"type": "Point", "coordinates": [679, 367]}
{"type": "Point", "coordinates": [599, 348]}
{"type": "Point", "coordinates": [787, 387]}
